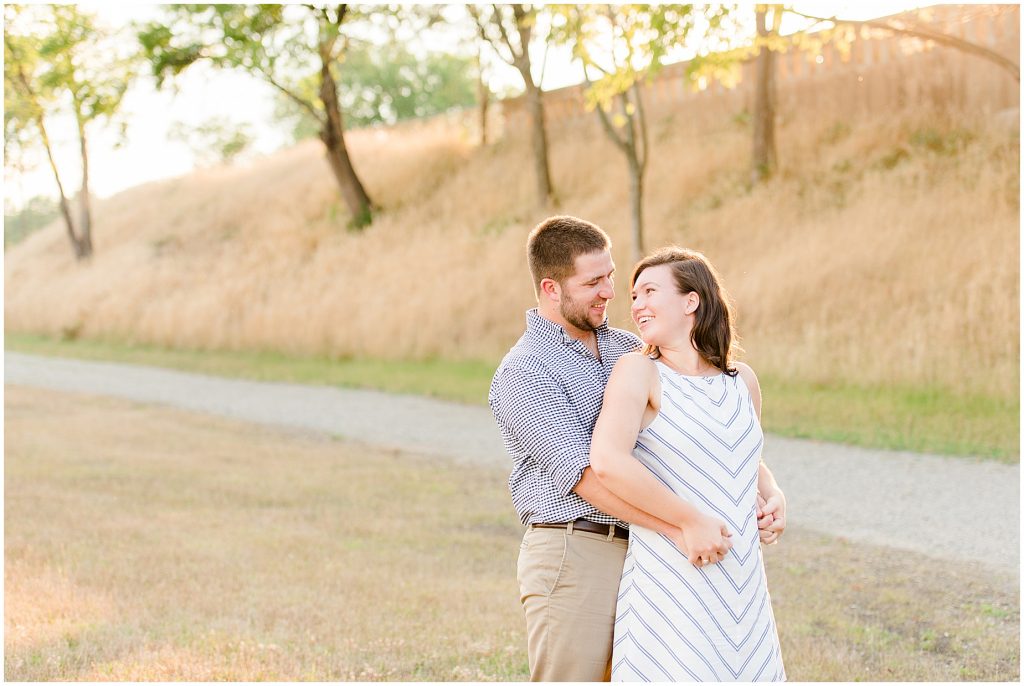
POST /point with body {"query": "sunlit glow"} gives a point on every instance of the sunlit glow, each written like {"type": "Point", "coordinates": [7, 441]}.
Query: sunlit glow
{"type": "Point", "coordinates": [205, 94]}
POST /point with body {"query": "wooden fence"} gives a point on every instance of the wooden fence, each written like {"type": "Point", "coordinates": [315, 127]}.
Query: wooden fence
{"type": "Point", "coordinates": [880, 72]}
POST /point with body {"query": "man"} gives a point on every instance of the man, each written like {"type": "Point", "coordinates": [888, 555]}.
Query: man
{"type": "Point", "coordinates": [546, 396]}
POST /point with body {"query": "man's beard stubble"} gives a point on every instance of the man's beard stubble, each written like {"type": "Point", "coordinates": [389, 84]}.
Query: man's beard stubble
{"type": "Point", "coordinates": [576, 314]}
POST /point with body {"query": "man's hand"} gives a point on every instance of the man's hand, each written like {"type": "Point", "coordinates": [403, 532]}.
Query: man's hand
{"type": "Point", "coordinates": [771, 517]}
{"type": "Point", "coordinates": [704, 541]}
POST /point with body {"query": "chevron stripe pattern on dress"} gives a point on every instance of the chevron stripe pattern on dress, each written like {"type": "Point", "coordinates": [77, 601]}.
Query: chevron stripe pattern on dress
{"type": "Point", "coordinates": [675, 621]}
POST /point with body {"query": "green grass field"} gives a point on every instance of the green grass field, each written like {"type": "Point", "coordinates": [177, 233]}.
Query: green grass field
{"type": "Point", "coordinates": [145, 543]}
{"type": "Point", "coordinates": [920, 420]}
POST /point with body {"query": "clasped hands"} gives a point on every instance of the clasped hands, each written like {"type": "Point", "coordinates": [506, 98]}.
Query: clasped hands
{"type": "Point", "coordinates": [706, 540]}
{"type": "Point", "coordinates": [771, 517]}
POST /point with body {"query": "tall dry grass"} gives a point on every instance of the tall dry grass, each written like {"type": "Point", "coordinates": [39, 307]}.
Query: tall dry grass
{"type": "Point", "coordinates": [885, 250]}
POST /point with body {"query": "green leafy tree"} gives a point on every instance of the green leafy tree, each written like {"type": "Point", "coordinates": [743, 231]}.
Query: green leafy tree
{"type": "Point", "coordinates": [215, 141]}
{"type": "Point", "coordinates": [391, 84]}
{"type": "Point", "coordinates": [621, 46]}
{"type": "Point", "coordinates": [33, 215]}
{"type": "Point", "coordinates": [283, 45]}
{"type": "Point", "coordinates": [508, 30]}
{"type": "Point", "coordinates": [386, 83]}
{"type": "Point", "coordinates": [57, 61]}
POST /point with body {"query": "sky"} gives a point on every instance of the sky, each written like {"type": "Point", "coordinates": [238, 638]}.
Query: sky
{"type": "Point", "coordinates": [203, 93]}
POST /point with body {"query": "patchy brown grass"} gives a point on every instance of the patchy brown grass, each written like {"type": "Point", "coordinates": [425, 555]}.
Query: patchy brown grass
{"type": "Point", "coordinates": [143, 543]}
{"type": "Point", "coordinates": [852, 612]}
{"type": "Point", "coordinates": [171, 546]}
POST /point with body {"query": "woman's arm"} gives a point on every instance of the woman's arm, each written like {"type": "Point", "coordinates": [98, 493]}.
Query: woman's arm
{"type": "Point", "coordinates": [590, 488]}
{"type": "Point", "coordinates": [626, 397]}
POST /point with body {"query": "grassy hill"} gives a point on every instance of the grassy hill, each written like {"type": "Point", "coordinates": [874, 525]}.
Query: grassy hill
{"type": "Point", "coordinates": [875, 278]}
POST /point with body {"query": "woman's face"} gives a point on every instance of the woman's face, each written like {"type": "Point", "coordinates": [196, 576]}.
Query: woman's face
{"type": "Point", "coordinates": [662, 314]}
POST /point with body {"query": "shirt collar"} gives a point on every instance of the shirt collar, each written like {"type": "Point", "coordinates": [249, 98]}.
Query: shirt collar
{"type": "Point", "coordinates": [548, 330]}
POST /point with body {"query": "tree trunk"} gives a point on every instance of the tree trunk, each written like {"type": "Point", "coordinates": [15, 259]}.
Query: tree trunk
{"type": "Point", "coordinates": [332, 133]}
{"type": "Point", "coordinates": [483, 96]}
{"type": "Point", "coordinates": [519, 57]}
{"type": "Point", "coordinates": [764, 159]}
{"type": "Point", "coordinates": [65, 207]}
{"type": "Point", "coordinates": [637, 163]}
{"type": "Point", "coordinates": [636, 159]}
{"type": "Point", "coordinates": [85, 210]}
{"type": "Point", "coordinates": [535, 102]}
{"type": "Point", "coordinates": [636, 205]}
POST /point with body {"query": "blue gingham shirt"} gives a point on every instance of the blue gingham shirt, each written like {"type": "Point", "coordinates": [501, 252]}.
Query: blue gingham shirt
{"type": "Point", "coordinates": [546, 396]}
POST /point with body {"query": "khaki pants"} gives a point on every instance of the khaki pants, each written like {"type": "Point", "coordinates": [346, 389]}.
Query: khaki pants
{"type": "Point", "coordinates": [568, 583]}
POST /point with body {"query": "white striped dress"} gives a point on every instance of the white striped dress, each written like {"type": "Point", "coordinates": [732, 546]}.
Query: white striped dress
{"type": "Point", "coordinates": [675, 621]}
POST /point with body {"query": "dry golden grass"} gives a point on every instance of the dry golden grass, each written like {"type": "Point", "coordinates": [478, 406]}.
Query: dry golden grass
{"type": "Point", "coordinates": [149, 544]}
{"type": "Point", "coordinates": [885, 251]}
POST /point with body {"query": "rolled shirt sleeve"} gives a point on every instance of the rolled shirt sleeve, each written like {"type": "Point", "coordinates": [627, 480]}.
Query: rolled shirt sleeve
{"type": "Point", "coordinates": [539, 414]}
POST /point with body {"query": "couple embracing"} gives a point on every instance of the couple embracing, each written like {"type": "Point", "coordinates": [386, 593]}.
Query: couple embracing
{"type": "Point", "coordinates": [638, 473]}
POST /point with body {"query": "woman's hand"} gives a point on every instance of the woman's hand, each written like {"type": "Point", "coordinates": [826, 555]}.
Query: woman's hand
{"type": "Point", "coordinates": [763, 519]}
{"type": "Point", "coordinates": [705, 540]}
{"type": "Point", "coordinates": [771, 516]}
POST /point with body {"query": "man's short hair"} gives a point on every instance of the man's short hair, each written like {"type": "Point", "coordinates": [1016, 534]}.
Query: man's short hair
{"type": "Point", "coordinates": [556, 242]}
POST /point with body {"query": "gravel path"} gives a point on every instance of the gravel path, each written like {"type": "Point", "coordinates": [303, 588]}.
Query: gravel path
{"type": "Point", "coordinates": [952, 508]}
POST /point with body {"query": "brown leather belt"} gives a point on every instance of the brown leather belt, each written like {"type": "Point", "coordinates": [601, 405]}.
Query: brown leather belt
{"type": "Point", "coordinates": [588, 526]}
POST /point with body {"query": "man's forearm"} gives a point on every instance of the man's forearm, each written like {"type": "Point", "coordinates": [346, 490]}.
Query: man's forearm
{"type": "Point", "coordinates": [593, 491]}
{"type": "Point", "coordinates": [766, 484]}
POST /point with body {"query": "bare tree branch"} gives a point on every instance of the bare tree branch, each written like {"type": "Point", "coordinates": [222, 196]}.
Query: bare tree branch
{"type": "Point", "coordinates": [482, 26]}
{"type": "Point", "coordinates": [497, 19]}
{"type": "Point", "coordinates": [610, 130]}
{"type": "Point", "coordinates": [524, 30]}
{"type": "Point", "coordinates": [305, 104]}
{"type": "Point", "coordinates": [544, 62]}
{"type": "Point", "coordinates": [606, 124]}
{"type": "Point", "coordinates": [605, 72]}
{"type": "Point", "coordinates": [629, 130]}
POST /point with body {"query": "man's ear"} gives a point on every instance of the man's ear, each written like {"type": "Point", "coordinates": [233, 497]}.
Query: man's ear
{"type": "Point", "coordinates": [551, 289]}
{"type": "Point", "coordinates": [692, 302]}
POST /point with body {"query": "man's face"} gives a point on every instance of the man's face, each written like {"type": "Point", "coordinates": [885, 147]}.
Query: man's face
{"type": "Point", "coordinates": [586, 293]}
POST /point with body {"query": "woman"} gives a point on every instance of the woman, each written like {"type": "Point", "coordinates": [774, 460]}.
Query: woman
{"type": "Point", "coordinates": [685, 416]}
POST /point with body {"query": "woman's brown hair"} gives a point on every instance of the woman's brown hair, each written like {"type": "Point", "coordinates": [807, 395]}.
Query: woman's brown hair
{"type": "Point", "coordinates": [713, 334]}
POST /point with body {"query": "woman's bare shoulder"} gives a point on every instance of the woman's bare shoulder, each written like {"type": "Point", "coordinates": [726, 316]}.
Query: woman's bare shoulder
{"type": "Point", "coordinates": [634, 362]}
{"type": "Point", "coordinates": [749, 377]}
{"type": "Point", "coordinates": [634, 368]}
